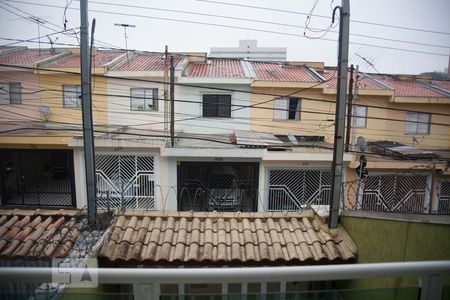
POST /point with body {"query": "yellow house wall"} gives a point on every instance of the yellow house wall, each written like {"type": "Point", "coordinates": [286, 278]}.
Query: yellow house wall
{"type": "Point", "coordinates": [314, 122]}
{"type": "Point", "coordinates": [317, 118]}
{"type": "Point", "coordinates": [52, 96]}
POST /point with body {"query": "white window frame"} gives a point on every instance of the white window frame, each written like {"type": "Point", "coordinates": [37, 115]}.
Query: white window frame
{"type": "Point", "coordinates": [146, 100]}
{"type": "Point", "coordinates": [359, 114]}
{"type": "Point", "coordinates": [281, 109]}
{"type": "Point", "coordinates": [10, 93]}
{"type": "Point", "coordinates": [417, 123]}
{"type": "Point", "coordinates": [71, 96]}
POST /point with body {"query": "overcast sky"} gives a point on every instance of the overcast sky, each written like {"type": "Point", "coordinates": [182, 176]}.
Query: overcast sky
{"type": "Point", "coordinates": [152, 34]}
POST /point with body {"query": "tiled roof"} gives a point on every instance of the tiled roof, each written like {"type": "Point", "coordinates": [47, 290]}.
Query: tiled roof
{"type": "Point", "coordinates": [408, 88]}
{"type": "Point", "coordinates": [100, 59]}
{"type": "Point", "coordinates": [38, 234]}
{"type": "Point", "coordinates": [216, 68]}
{"type": "Point", "coordinates": [144, 62]}
{"type": "Point", "coordinates": [364, 81]}
{"type": "Point", "coordinates": [275, 72]}
{"type": "Point", "coordinates": [442, 84]}
{"type": "Point", "coordinates": [26, 57]}
{"type": "Point", "coordinates": [181, 238]}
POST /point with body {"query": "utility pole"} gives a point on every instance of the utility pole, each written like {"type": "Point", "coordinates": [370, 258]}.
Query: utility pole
{"type": "Point", "coordinates": [349, 110]}
{"type": "Point", "coordinates": [125, 26]}
{"type": "Point", "coordinates": [86, 104]}
{"type": "Point", "coordinates": [166, 91]}
{"type": "Point", "coordinates": [355, 98]}
{"type": "Point", "coordinates": [339, 127]}
{"type": "Point", "coordinates": [172, 102]}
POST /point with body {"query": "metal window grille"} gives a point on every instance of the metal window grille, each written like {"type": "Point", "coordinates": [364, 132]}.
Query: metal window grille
{"type": "Point", "coordinates": [37, 178]}
{"type": "Point", "coordinates": [417, 123]}
{"type": "Point", "coordinates": [444, 197]}
{"type": "Point", "coordinates": [294, 189]}
{"type": "Point", "coordinates": [206, 186]}
{"type": "Point", "coordinates": [72, 96]}
{"type": "Point", "coordinates": [395, 193]}
{"type": "Point", "coordinates": [144, 99]}
{"type": "Point", "coordinates": [125, 181]}
{"type": "Point", "coordinates": [10, 93]}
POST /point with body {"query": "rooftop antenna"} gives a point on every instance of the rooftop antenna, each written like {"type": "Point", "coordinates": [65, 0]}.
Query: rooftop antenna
{"type": "Point", "coordinates": [125, 33]}
{"type": "Point", "coordinates": [51, 43]}
{"type": "Point", "coordinates": [38, 22]}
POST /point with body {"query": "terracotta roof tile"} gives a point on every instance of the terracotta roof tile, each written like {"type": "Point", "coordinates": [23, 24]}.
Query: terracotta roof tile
{"type": "Point", "coordinates": [179, 238]}
{"type": "Point", "coordinates": [275, 72]}
{"type": "Point", "coordinates": [442, 84]}
{"type": "Point", "coordinates": [26, 57]}
{"type": "Point", "coordinates": [42, 234]}
{"type": "Point", "coordinates": [144, 62]}
{"type": "Point", "coordinates": [216, 68]}
{"type": "Point", "coordinates": [408, 88]}
{"type": "Point", "coordinates": [364, 82]}
{"type": "Point", "coordinates": [100, 59]}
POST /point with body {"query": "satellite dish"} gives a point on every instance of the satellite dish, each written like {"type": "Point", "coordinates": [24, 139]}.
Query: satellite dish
{"type": "Point", "coordinates": [362, 144]}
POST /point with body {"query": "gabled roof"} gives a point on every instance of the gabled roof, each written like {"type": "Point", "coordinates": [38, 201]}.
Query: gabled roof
{"type": "Point", "coordinates": [278, 72]}
{"type": "Point", "coordinates": [100, 59]}
{"type": "Point", "coordinates": [231, 68]}
{"type": "Point", "coordinates": [365, 82]}
{"type": "Point", "coordinates": [143, 62]}
{"type": "Point", "coordinates": [211, 238]}
{"type": "Point", "coordinates": [408, 88]}
{"type": "Point", "coordinates": [24, 56]}
{"type": "Point", "coordinates": [442, 84]}
{"type": "Point", "coordinates": [38, 234]}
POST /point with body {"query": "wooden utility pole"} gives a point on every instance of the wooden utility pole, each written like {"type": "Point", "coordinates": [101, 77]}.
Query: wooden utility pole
{"type": "Point", "coordinates": [166, 91]}
{"type": "Point", "coordinates": [172, 102]}
{"type": "Point", "coordinates": [339, 127]}
{"type": "Point", "coordinates": [86, 105]}
{"type": "Point", "coordinates": [349, 110]}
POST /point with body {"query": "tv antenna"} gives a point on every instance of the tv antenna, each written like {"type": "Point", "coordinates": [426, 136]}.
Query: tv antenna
{"type": "Point", "coordinates": [125, 26]}
{"type": "Point", "coordinates": [51, 42]}
{"type": "Point", "coordinates": [38, 21]}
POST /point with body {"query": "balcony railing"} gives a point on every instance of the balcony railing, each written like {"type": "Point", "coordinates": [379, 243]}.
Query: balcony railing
{"type": "Point", "coordinates": [147, 280]}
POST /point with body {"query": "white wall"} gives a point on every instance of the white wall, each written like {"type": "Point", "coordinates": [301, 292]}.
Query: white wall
{"type": "Point", "coordinates": [183, 110]}
{"type": "Point", "coordinates": [119, 105]}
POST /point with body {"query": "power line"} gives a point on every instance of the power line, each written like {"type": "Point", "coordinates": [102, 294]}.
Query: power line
{"type": "Point", "coordinates": [234, 27]}
{"type": "Point", "coordinates": [277, 96]}
{"type": "Point", "coordinates": [323, 16]}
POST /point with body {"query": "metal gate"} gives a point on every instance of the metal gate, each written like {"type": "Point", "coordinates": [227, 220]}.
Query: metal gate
{"type": "Point", "coordinates": [125, 181]}
{"type": "Point", "coordinates": [37, 177]}
{"type": "Point", "coordinates": [395, 193]}
{"type": "Point", "coordinates": [209, 186]}
{"type": "Point", "coordinates": [444, 197]}
{"type": "Point", "coordinates": [294, 189]}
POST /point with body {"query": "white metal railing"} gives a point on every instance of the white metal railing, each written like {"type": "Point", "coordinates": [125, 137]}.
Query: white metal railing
{"type": "Point", "coordinates": [429, 272]}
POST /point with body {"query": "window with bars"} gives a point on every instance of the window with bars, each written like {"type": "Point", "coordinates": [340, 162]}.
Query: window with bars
{"type": "Point", "coordinates": [72, 96]}
{"type": "Point", "coordinates": [287, 109]}
{"type": "Point", "coordinates": [216, 106]}
{"type": "Point", "coordinates": [417, 123]}
{"type": "Point", "coordinates": [359, 113]}
{"type": "Point", "coordinates": [10, 93]}
{"type": "Point", "coordinates": [144, 99]}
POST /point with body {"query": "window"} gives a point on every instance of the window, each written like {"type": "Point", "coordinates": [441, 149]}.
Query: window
{"type": "Point", "coordinates": [359, 113]}
{"type": "Point", "coordinates": [144, 99]}
{"type": "Point", "coordinates": [72, 96]}
{"type": "Point", "coordinates": [417, 123]}
{"type": "Point", "coordinates": [217, 106]}
{"type": "Point", "coordinates": [10, 93]}
{"type": "Point", "coordinates": [287, 109]}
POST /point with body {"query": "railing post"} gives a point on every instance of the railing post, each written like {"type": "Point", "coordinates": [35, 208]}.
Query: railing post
{"type": "Point", "coordinates": [430, 287]}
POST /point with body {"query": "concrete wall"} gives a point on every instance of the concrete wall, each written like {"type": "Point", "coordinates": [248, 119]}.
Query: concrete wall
{"type": "Point", "coordinates": [28, 110]}
{"type": "Point", "coordinates": [394, 241]}
{"type": "Point", "coordinates": [119, 105]}
{"type": "Point", "coordinates": [193, 110]}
